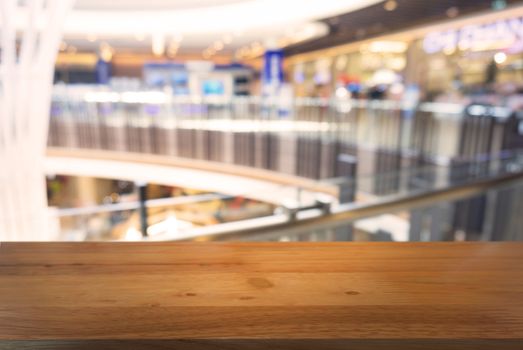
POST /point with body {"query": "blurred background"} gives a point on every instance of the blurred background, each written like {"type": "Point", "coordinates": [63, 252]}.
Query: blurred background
{"type": "Point", "coordinates": [366, 120]}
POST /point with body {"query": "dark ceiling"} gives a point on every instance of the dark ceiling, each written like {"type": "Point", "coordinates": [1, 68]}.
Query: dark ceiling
{"type": "Point", "coordinates": [375, 20]}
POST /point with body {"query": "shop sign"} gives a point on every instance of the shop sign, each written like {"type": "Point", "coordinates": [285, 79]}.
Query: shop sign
{"type": "Point", "coordinates": [103, 71]}
{"type": "Point", "coordinates": [272, 74]}
{"type": "Point", "coordinates": [492, 36]}
{"type": "Point", "coordinates": [273, 67]}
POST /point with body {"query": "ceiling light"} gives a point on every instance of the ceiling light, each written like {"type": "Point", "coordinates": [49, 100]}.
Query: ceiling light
{"type": "Point", "coordinates": [227, 39]}
{"type": "Point", "coordinates": [390, 5]}
{"type": "Point", "coordinates": [106, 55]}
{"type": "Point", "coordinates": [106, 52]}
{"type": "Point", "coordinates": [452, 12]}
{"type": "Point", "coordinates": [158, 44]}
{"type": "Point", "coordinates": [218, 45]}
{"type": "Point", "coordinates": [500, 57]}
{"type": "Point", "coordinates": [91, 38]}
{"type": "Point", "coordinates": [387, 46]}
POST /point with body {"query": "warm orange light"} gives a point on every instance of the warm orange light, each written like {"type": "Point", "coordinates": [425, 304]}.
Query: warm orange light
{"type": "Point", "coordinates": [390, 5]}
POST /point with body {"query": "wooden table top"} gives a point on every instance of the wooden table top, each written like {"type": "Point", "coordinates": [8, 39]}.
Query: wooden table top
{"type": "Point", "coordinates": [261, 295]}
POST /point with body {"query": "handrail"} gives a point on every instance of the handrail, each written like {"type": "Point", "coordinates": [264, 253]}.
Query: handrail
{"type": "Point", "coordinates": [326, 213]}
{"type": "Point", "coordinates": [316, 219]}
{"type": "Point", "coordinates": [197, 164]}
{"type": "Point", "coordinates": [151, 203]}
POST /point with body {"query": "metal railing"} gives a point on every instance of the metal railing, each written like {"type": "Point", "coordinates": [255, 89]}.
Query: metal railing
{"type": "Point", "coordinates": [383, 155]}
{"type": "Point", "coordinates": [304, 137]}
{"type": "Point", "coordinates": [496, 182]}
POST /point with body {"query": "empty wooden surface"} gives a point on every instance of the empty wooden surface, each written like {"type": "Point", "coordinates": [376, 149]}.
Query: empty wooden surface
{"type": "Point", "coordinates": [261, 295]}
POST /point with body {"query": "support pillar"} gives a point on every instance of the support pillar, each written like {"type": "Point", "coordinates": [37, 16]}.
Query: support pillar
{"type": "Point", "coordinates": [26, 78]}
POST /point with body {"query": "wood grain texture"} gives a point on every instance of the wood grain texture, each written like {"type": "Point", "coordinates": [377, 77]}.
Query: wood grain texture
{"type": "Point", "coordinates": [261, 295]}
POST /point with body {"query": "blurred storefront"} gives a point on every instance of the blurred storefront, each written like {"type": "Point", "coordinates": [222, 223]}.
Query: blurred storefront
{"type": "Point", "coordinates": [463, 56]}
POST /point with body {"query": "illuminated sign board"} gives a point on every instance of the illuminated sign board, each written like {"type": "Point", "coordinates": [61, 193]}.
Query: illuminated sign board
{"type": "Point", "coordinates": [501, 34]}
